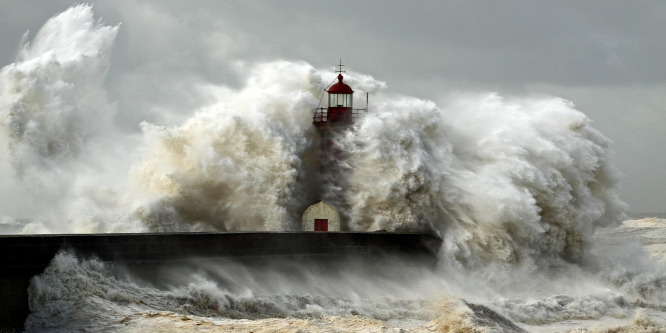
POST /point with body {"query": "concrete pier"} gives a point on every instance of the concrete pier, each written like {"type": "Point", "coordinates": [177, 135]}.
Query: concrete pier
{"type": "Point", "coordinates": [23, 256]}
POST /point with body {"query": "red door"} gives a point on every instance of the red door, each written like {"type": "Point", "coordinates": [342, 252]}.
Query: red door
{"type": "Point", "coordinates": [321, 225]}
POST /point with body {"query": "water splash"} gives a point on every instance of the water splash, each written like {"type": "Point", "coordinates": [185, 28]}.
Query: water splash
{"type": "Point", "coordinates": [56, 129]}
{"type": "Point", "coordinates": [506, 181]}
{"type": "Point", "coordinates": [52, 99]}
{"type": "Point", "coordinates": [497, 178]}
{"type": "Point", "coordinates": [238, 164]}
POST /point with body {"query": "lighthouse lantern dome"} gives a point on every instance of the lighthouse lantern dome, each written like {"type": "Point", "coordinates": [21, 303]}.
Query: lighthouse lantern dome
{"type": "Point", "coordinates": [340, 94]}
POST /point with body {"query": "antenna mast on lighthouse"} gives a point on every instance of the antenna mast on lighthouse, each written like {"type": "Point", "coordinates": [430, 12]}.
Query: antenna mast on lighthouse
{"type": "Point", "coordinates": [339, 70]}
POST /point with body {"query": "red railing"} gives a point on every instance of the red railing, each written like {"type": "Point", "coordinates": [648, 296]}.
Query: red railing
{"type": "Point", "coordinates": [321, 116]}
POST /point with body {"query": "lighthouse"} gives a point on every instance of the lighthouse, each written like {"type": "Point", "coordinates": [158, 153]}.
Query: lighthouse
{"type": "Point", "coordinates": [338, 116]}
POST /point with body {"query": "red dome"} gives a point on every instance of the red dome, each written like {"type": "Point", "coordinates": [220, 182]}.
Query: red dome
{"type": "Point", "coordinates": [340, 87]}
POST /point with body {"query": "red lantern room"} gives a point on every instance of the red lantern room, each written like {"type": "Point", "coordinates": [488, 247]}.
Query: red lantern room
{"type": "Point", "coordinates": [340, 97]}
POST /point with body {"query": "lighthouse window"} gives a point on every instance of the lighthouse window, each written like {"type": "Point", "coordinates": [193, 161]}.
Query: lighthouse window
{"type": "Point", "coordinates": [340, 100]}
{"type": "Point", "coordinates": [333, 100]}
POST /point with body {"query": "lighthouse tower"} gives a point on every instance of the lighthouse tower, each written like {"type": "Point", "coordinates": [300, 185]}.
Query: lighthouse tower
{"type": "Point", "coordinates": [331, 121]}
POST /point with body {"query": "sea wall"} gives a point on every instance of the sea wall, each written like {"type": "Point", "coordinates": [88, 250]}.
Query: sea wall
{"type": "Point", "coordinates": [23, 256]}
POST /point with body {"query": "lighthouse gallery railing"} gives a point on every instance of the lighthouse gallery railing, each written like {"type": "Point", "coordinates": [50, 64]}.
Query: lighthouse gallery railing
{"type": "Point", "coordinates": [321, 115]}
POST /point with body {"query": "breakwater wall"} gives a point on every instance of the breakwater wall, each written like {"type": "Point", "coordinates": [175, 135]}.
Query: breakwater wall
{"type": "Point", "coordinates": [23, 256]}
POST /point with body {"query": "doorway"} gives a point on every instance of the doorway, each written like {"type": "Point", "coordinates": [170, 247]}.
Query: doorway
{"type": "Point", "coordinates": [321, 225]}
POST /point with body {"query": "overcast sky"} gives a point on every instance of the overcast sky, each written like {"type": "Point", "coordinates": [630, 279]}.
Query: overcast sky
{"type": "Point", "coordinates": [605, 56]}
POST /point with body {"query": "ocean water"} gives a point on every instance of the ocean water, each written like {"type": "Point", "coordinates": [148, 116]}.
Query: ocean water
{"type": "Point", "coordinates": [522, 190]}
{"type": "Point", "coordinates": [623, 293]}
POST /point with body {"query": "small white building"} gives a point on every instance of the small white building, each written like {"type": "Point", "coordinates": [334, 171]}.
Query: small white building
{"type": "Point", "coordinates": [321, 217]}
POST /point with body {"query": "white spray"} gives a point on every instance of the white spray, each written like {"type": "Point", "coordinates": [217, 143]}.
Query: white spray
{"type": "Point", "coordinates": [235, 165]}
{"type": "Point", "coordinates": [500, 180]}
{"type": "Point", "coordinates": [55, 126]}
